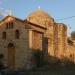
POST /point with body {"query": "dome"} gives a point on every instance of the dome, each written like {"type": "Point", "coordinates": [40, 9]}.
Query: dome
{"type": "Point", "coordinates": [40, 17]}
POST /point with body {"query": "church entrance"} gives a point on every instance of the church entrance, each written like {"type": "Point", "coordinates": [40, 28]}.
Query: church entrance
{"type": "Point", "coordinates": [11, 55]}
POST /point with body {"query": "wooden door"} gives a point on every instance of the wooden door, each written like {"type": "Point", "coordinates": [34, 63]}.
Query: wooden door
{"type": "Point", "coordinates": [11, 55]}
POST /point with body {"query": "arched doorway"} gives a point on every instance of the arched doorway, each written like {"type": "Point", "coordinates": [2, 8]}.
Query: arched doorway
{"type": "Point", "coordinates": [11, 55]}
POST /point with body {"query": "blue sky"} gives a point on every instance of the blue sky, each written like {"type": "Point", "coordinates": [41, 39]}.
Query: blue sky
{"type": "Point", "coordinates": [58, 9]}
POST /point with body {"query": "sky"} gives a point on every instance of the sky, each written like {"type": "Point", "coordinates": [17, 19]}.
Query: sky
{"type": "Point", "coordinates": [58, 9]}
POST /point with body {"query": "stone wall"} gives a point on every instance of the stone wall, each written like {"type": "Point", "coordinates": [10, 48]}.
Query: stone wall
{"type": "Point", "coordinates": [62, 40]}
{"type": "Point", "coordinates": [21, 45]}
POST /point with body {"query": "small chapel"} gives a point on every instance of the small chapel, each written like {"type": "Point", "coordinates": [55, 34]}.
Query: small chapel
{"type": "Point", "coordinates": [18, 38]}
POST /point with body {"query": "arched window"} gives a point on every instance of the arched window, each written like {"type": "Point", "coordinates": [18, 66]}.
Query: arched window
{"type": "Point", "coordinates": [17, 34]}
{"type": "Point", "coordinates": [4, 35]}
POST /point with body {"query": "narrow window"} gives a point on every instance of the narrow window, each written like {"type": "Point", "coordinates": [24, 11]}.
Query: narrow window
{"type": "Point", "coordinates": [17, 34]}
{"type": "Point", "coordinates": [4, 35]}
{"type": "Point", "coordinates": [9, 25]}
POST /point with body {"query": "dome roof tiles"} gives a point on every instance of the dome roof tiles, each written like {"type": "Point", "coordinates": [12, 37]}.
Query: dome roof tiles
{"type": "Point", "coordinates": [40, 17]}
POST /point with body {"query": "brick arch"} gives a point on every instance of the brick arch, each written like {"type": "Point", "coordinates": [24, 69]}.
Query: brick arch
{"type": "Point", "coordinates": [11, 45]}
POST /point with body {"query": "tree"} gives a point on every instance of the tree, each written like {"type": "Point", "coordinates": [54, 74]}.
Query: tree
{"type": "Point", "coordinates": [38, 56]}
{"type": "Point", "coordinates": [73, 35]}
{"type": "Point", "coordinates": [70, 42]}
{"type": "Point", "coordinates": [1, 62]}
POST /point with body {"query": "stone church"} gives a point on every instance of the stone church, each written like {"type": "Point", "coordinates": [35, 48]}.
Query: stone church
{"type": "Point", "coordinates": [38, 31]}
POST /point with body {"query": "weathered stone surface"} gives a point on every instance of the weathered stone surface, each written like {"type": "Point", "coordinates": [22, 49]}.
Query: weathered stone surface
{"type": "Point", "coordinates": [39, 31]}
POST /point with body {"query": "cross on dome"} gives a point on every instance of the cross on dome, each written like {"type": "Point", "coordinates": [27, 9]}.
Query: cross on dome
{"type": "Point", "coordinates": [39, 7]}
{"type": "Point", "coordinates": [10, 12]}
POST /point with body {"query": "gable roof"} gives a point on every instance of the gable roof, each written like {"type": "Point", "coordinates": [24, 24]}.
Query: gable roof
{"type": "Point", "coordinates": [26, 21]}
{"type": "Point", "coordinates": [11, 17]}
{"type": "Point", "coordinates": [23, 21]}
